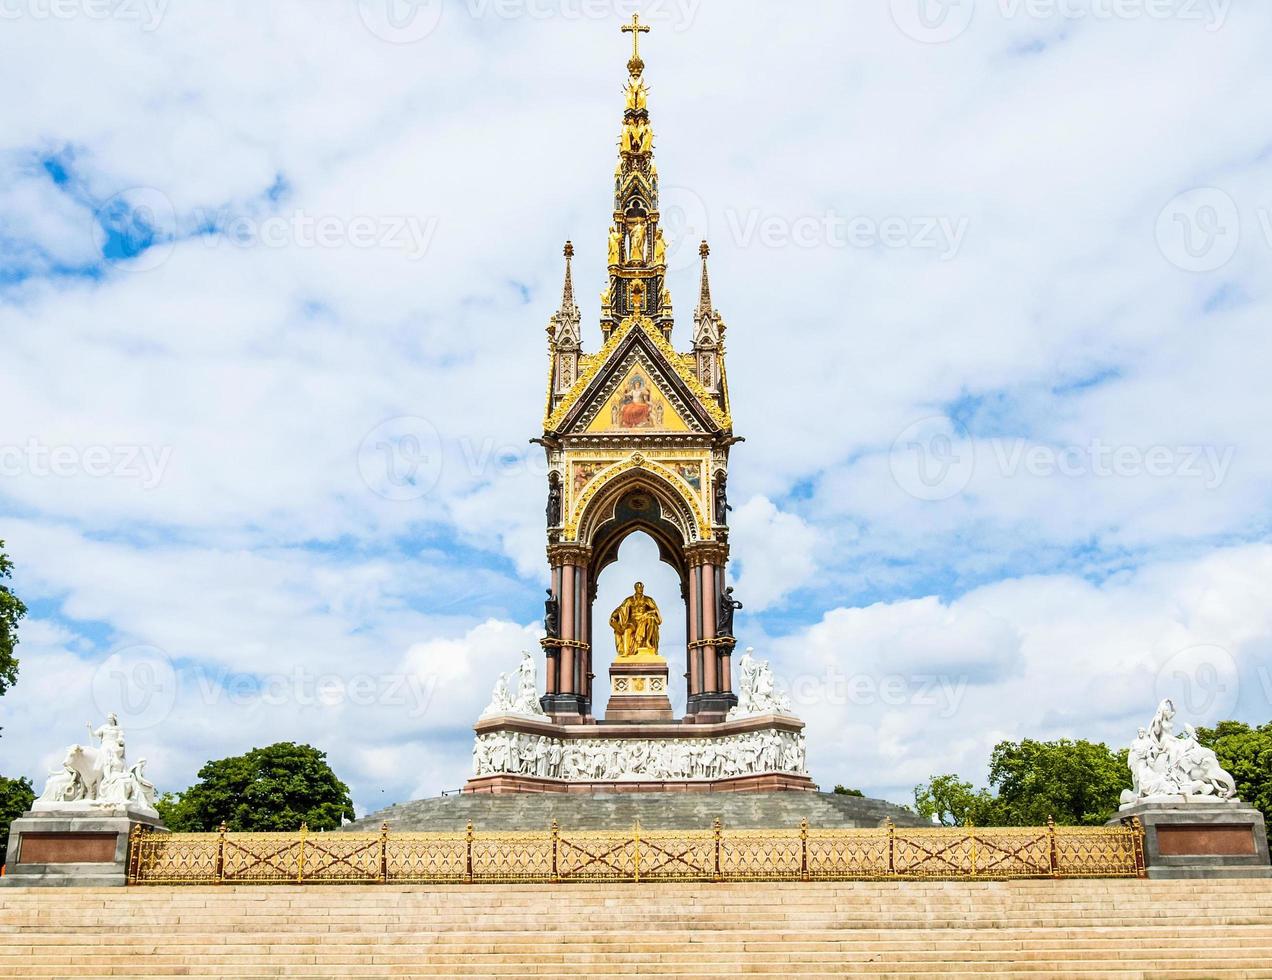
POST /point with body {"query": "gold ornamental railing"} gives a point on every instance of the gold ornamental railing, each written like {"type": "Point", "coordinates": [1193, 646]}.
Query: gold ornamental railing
{"type": "Point", "coordinates": [556, 855]}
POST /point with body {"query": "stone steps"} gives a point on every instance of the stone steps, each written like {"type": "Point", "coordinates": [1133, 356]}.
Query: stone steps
{"type": "Point", "coordinates": [619, 811]}
{"type": "Point", "coordinates": [1070, 928]}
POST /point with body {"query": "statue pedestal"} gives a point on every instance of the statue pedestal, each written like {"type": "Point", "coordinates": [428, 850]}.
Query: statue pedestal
{"type": "Point", "coordinates": [638, 690]}
{"type": "Point", "coordinates": [525, 755]}
{"type": "Point", "coordinates": [1191, 837]}
{"type": "Point", "coordinates": [80, 845]}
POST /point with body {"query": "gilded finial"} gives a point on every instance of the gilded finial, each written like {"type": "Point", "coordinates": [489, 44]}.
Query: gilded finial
{"type": "Point", "coordinates": [635, 66]}
{"type": "Point", "coordinates": [704, 249]}
{"type": "Point", "coordinates": [569, 250]}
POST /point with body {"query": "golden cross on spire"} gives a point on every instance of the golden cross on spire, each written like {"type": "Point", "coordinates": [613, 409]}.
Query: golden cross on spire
{"type": "Point", "coordinates": [635, 29]}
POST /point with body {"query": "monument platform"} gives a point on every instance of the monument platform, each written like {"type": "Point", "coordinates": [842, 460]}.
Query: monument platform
{"type": "Point", "coordinates": [620, 811]}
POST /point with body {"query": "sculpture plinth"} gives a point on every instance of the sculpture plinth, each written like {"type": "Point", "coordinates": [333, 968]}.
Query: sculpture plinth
{"type": "Point", "coordinates": [84, 846]}
{"type": "Point", "coordinates": [1191, 837]}
{"type": "Point", "coordinates": [638, 690]}
{"type": "Point", "coordinates": [517, 754]}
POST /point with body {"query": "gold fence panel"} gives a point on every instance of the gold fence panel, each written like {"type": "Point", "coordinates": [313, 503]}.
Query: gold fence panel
{"type": "Point", "coordinates": [965, 852]}
{"type": "Point", "coordinates": [590, 855]}
{"type": "Point", "coordinates": [755, 855]}
{"type": "Point", "coordinates": [512, 856]}
{"type": "Point", "coordinates": [1100, 852]}
{"type": "Point", "coordinates": [426, 858]}
{"type": "Point", "coordinates": [948, 853]}
{"type": "Point", "coordinates": [847, 854]}
{"type": "Point", "coordinates": [174, 859]}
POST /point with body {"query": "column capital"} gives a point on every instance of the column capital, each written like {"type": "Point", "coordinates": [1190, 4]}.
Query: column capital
{"type": "Point", "coordinates": [707, 552]}
{"type": "Point", "coordinates": [569, 554]}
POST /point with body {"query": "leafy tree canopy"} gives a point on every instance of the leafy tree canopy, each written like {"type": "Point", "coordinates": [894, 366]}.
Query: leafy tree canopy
{"type": "Point", "coordinates": [1246, 753]}
{"type": "Point", "coordinates": [278, 787]}
{"type": "Point", "coordinates": [845, 791]}
{"type": "Point", "coordinates": [1076, 782]}
{"type": "Point", "coordinates": [16, 797]}
{"type": "Point", "coordinates": [11, 610]}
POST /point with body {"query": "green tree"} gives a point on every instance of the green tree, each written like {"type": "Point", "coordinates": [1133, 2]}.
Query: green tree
{"type": "Point", "coordinates": [1076, 782]}
{"type": "Point", "coordinates": [1246, 753]}
{"type": "Point", "coordinates": [955, 803]}
{"type": "Point", "coordinates": [11, 610]}
{"type": "Point", "coordinates": [845, 791]}
{"type": "Point", "coordinates": [16, 797]}
{"type": "Point", "coordinates": [278, 787]}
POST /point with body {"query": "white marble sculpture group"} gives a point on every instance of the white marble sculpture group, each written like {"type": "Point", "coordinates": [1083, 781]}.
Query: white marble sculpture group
{"type": "Point", "coordinates": [99, 777]}
{"type": "Point", "coordinates": [1166, 766]}
{"type": "Point", "coordinates": [516, 693]}
{"type": "Point", "coordinates": [756, 693]}
{"type": "Point", "coordinates": [767, 750]}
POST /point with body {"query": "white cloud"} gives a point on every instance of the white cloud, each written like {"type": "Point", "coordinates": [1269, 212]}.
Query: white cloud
{"type": "Point", "coordinates": [774, 550]}
{"type": "Point", "coordinates": [256, 372]}
{"type": "Point", "coordinates": [896, 692]}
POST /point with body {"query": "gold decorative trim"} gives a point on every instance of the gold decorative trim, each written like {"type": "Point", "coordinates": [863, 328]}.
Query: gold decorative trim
{"type": "Point", "coordinates": [637, 460]}
{"type": "Point", "coordinates": [702, 552]}
{"type": "Point", "coordinates": [570, 553]}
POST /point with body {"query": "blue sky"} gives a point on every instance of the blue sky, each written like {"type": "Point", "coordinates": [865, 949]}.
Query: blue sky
{"type": "Point", "coordinates": [273, 286]}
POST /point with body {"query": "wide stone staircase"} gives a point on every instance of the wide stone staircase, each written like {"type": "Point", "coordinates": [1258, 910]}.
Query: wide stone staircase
{"type": "Point", "coordinates": [619, 811]}
{"type": "Point", "coordinates": [1070, 928]}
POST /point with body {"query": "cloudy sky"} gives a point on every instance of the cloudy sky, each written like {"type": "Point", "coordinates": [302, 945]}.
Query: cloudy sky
{"type": "Point", "coordinates": [274, 279]}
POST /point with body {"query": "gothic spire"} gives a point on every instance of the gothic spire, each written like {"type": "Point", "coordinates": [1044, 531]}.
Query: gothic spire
{"type": "Point", "coordinates": [704, 294]}
{"type": "Point", "coordinates": [563, 328]}
{"type": "Point", "coordinates": [567, 292]}
{"type": "Point", "coordinates": [637, 249]}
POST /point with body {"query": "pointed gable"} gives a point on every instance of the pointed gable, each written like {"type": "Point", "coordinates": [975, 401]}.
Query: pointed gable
{"type": "Point", "coordinates": [637, 383]}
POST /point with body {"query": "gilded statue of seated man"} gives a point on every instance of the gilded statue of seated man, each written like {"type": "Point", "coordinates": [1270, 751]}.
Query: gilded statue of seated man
{"type": "Point", "coordinates": [635, 624]}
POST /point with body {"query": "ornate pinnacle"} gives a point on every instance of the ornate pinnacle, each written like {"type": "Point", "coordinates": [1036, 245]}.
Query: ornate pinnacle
{"type": "Point", "coordinates": [635, 66]}
{"type": "Point", "coordinates": [567, 291]}
{"type": "Point", "coordinates": [704, 294]}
